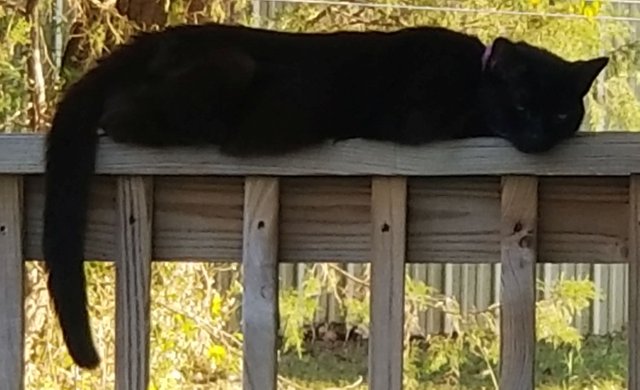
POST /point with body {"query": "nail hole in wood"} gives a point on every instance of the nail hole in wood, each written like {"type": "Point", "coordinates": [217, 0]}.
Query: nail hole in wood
{"type": "Point", "coordinates": [385, 227]}
{"type": "Point", "coordinates": [624, 250]}
{"type": "Point", "coordinates": [260, 224]}
{"type": "Point", "coordinates": [3, 229]}
{"type": "Point", "coordinates": [132, 220]}
{"type": "Point", "coordinates": [517, 227]}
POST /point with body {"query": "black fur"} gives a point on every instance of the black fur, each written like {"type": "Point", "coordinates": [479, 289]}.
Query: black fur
{"type": "Point", "coordinates": [257, 92]}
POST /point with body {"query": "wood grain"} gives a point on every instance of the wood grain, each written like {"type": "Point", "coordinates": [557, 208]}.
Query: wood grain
{"type": "Point", "coordinates": [450, 220]}
{"type": "Point", "coordinates": [519, 234]}
{"type": "Point", "coordinates": [454, 220]}
{"type": "Point", "coordinates": [198, 218]}
{"type": "Point", "coordinates": [260, 283]}
{"type": "Point", "coordinates": [329, 218]}
{"type": "Point", "coordinates": [100, 242]}
{"type": "Point", "coordinates": [11, 287]}
{"type": "Point", "coordinates": [388, 237]}
{"type": "Point", "coordinates": [634, 283]}
{"type": "Point", "coordinates": [579, 220]}
{"type": "Point", "coordinates": [589, 154]}
{"type": "Point", "coordinates": [133, 271]}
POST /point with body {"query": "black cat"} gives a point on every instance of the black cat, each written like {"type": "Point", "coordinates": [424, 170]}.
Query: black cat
{"type": "Point", "coordinates": [257, 92]}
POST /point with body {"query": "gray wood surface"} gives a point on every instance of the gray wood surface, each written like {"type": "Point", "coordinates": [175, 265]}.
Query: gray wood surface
{"type": "Point", "coordinates": [585, 155]}
{"type": "Point", "coordinates": [260, 284]}
{"type": "Point", "coordinates": [634, 285]}
{"type": "Point", "coordinates": [11, 284]}
{"type": "Point", "coordinates": [133, 278]}
{"type": "Point", "coordinates": [519, 239]}
{"type": "Point", "coordinates": [388, 208]}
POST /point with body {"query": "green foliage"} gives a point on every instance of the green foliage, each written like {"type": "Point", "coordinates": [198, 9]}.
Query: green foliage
{"type": "Point", "coordinates": [297, 308]}
{"type": "Point", "coordinates": [14, 94]}
{"type": "Point", "coordinates": [567, 299]}
{"type": "Point", "coordinates": [195, 339]}
{"type": "Point", "coordinates": [473, 345]}
{"type": "Point", "coordinates": [476, 341]}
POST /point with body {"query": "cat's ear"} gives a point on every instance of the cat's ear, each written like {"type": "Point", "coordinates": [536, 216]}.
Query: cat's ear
{"type": "Point", "coordinates": [501, 59]}
{"type": "Point", "coordinates": [587, 71]}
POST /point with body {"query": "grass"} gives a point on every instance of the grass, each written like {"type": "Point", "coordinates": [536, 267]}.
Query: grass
{"type": "Point", "coordinates": [601, 365]}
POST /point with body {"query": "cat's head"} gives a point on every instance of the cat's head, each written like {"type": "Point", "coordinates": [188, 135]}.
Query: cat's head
{"type": "Point", "coordinates": [533, 98]}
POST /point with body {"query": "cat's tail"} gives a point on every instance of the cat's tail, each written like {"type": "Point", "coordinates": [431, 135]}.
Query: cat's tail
{"type": "Point", "coordinates": [70, 161]}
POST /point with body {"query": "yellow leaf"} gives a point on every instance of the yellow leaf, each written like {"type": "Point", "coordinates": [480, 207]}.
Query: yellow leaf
{"type": "Point", "coordinates": [217, 352]}
{"type": "Point", "coordinates": [216, 306]}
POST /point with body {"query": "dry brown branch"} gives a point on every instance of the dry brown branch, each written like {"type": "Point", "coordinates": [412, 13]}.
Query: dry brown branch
{"type": "Point", "coordinates": [13, 5]}
{"type": "Point", "coordinates": [35, 69]}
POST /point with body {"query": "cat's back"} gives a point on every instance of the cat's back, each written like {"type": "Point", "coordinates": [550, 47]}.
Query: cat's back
{"type": "Point", "coordinates": [192, 41]}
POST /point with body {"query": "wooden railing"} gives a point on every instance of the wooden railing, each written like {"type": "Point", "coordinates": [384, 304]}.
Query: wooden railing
{"type": "Point", "coordinates": [474, 201]}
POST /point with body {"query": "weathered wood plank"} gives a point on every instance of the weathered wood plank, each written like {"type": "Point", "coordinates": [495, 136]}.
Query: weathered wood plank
{"type": "Point", "coordinates": [453, 220]}
{"type": "Point", "coordinates": [100, 242]}
{"type": "Point", "coordinates": [11, 287]}
{"type": "Point", "coordinates": [634, 282]}
{"type": "Point", "coordinates": [325, 219]}
{"type": "Point", "coordinates": [588, 154]}
{"type": "Point", "coordinates": [388, 210]}
{"type": "Point", "coordinates": [519, 234]}
{"type": "Point", "coordinates": [579, 220]}
{"type": "Point", "coordinates": [133, 271]}
{"type": "Point", "coordinates": [457, 220]}
{"type": "Point", "coordinates": [450, 220]}
{"type": "Point", "coordinates": [198, 217]}
{"type": "Point", "coordinates": [260, 281]}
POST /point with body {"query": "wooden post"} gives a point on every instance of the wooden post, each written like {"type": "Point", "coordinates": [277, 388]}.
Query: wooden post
{"type": "Point", "coordinates": [634, 283]}
{"type": "Point", "coordinates": [517, 336]}
{"type": "Point", "coordinates": [11, 289]}
{"type": "Point", "coordinates": [260, 281]}
{"type": "Point", "coordinates": [133, 269]}
{"type": "Point", "coordinates": [388, 210]}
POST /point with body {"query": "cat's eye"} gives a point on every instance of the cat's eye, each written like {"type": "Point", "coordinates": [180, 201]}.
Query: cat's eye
{"type": "Point", "coordinates": [562, 116]}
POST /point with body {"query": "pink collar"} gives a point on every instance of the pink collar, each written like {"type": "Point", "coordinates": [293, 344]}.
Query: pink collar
{"type": "Point", "coordinates": [486, 55]}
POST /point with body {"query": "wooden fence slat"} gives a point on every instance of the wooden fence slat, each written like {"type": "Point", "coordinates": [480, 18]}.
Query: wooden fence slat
{"type": "Point", "coordinates": [388, 209]}
{"type": "Point", "coordinates": [519, 232]}
{"type": "Point", "coordinates": [11, 289]}
{"type": "Point", "coordinates": [634, 282]}
{"type": "Point", "coordinates": [260, 283]}
{"type": "Point", "coordinates": [133, 269]}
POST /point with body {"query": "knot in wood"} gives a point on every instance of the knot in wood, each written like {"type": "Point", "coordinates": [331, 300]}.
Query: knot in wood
{"type": "Point", "coordinates": [266, 292]}
{"type": "Point", "coordinates": [526, 242]}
